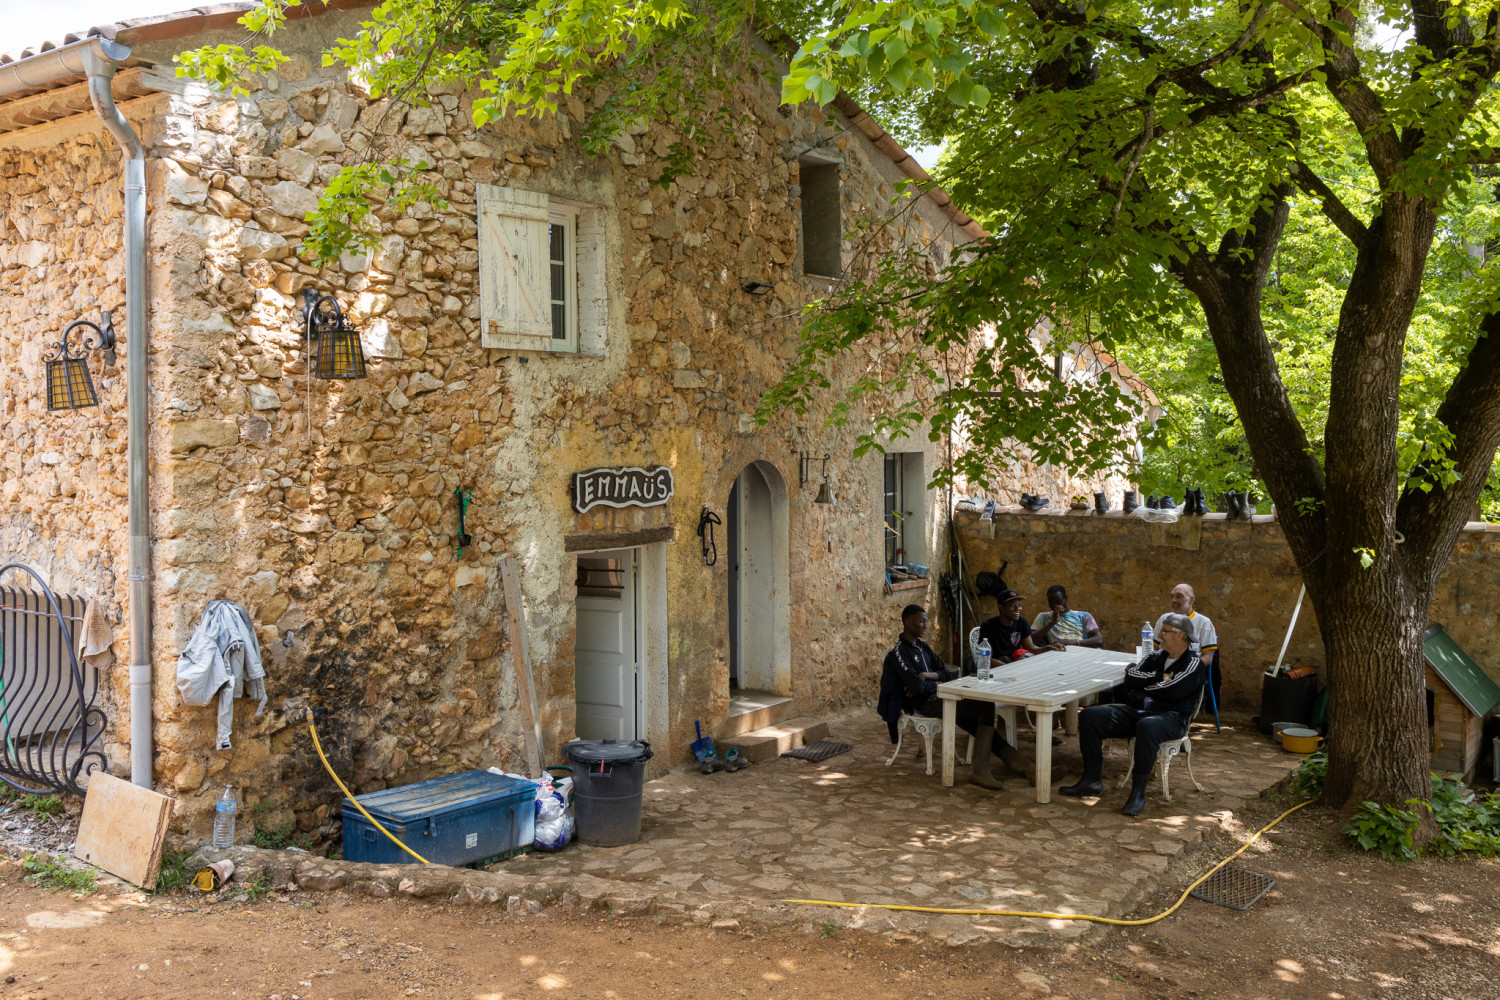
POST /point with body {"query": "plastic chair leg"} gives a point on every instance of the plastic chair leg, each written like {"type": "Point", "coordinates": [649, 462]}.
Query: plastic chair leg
{"type": "Point", "coordinates": [927, 742]}
{"type": "Point", "coordinates": [1130, 756]}
{"type": "Point", "coordinates": [970, 758]}
{"type": "Point", "coordinates": [900, 735]}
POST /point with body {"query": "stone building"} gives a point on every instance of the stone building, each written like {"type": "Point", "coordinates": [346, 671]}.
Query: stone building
{"type": "Point", "coordinates": [329, 508]}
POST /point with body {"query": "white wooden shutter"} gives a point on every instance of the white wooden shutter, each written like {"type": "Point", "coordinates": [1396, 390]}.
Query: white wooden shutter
{"type": "Point", "coordinates": [515, 309]}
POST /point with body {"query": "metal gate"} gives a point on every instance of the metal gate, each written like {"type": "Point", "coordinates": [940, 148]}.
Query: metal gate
{"type": "Point", "coordinates": [49, 723]}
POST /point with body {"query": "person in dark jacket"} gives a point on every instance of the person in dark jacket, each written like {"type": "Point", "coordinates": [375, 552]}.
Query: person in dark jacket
{"type": "Point", "coordinates": [1162, 691]}
{"type": "Point", "coordinates": [908, 683]}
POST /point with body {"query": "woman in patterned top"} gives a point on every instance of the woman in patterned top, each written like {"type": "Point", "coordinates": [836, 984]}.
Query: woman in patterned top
{"type": "Point", "coordinates": [1071, 628]}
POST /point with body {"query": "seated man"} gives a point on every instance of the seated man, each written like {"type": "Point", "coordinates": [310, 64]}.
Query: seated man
{"type": "Point", "coordinates": [1008, 632]}
{"type": "Point", "coordinates": [1063, 625]}
{"type": "Point", "coordinates": [1164, 690]}
{"type": "Point", "coordinates": [908, 683]}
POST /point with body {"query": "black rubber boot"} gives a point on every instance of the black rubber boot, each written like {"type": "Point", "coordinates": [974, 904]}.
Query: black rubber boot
{"type": "Point", "coordinates": [1137, 800]}
{"type": "Point", "coordinates": [1167, 503]}
{"type": "Point", "coordinates": [1232, 504]}
{"type": "Point", "coordinates": [1101, 503]}
{"type": "Point", "coordinates": [1085, 785]}
{"type": "Point", "coordinates": [1130, 501]}
{"type": "Point", "coordinates": [1152, 503]}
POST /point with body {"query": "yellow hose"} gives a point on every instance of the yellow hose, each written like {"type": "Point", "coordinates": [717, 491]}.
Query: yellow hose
{"type": "Point", "coordinates": [1069, 916]}
{"type": "Point", "coordinates": [350, 795]}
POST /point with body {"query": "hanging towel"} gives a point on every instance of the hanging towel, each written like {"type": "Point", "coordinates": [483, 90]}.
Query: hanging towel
{"type": "Point", "coordinates": [94, 638]}
{"type": "Point", "coordinates": [222, 660]}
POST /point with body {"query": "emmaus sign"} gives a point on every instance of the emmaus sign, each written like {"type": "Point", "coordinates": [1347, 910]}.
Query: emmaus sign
{"type": "Point", "coordinates": [632, 487]}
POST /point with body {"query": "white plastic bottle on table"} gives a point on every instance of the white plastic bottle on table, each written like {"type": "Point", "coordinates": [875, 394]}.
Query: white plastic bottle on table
{"type": "Point", "coordinates": [1147, 635]}
{"type": "Point", "coordinates": [982, 659]}
{"type": "Point", "coordinates": [224, 811]}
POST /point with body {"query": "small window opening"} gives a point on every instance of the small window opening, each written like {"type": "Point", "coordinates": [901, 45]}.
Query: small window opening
{"type": "Point", "coordinates": [822, 226]}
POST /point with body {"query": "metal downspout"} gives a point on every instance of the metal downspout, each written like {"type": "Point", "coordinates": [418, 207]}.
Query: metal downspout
{"type": "Point", "coordinates": [99, 62]}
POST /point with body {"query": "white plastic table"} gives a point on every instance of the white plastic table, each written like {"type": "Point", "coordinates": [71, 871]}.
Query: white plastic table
{"type": "Point", "coordinates": [1043, 683]}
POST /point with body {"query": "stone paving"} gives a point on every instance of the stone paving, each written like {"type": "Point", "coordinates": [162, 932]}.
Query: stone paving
{"type": "Point", "coordinates": [849, 829]}
{"type": "Point", "coordinates": [724, 850]}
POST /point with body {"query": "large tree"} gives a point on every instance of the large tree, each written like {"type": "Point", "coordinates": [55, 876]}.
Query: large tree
{"type": "Point", "coordinates": [1138, 163]}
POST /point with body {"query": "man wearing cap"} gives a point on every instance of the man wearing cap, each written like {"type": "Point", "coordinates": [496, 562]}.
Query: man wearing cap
{"type": "Point", "coordinates": [1008, 631]}
{"type": "Point", "coordinates": [1163, 691]}
{"type": "Point", "coordinates": [908, 683]}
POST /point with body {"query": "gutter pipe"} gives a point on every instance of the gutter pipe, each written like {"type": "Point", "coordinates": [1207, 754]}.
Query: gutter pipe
{"type": "Point", "coordinates": [97, 59]}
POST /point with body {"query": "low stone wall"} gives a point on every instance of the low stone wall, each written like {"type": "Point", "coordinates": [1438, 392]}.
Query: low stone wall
{"type": "Point", "coordinates": [1122, 571]}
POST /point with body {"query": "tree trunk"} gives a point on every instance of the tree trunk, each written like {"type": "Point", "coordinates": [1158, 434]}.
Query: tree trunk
{"type": "Point", "coordinates": [1377, 711]}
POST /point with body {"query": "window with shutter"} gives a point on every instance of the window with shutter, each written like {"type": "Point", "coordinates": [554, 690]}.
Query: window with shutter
{"type": "Point", "coordinates": [541, 272]}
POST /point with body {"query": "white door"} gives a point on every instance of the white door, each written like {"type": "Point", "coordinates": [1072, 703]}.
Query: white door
{"type": "Point", "coordinates": [605, 658]}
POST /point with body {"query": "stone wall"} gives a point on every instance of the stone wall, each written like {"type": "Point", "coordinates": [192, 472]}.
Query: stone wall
{"type": "Point", "coordinates": [328, 509]}
{"type": "Point", "coordinates": [1122, 571]}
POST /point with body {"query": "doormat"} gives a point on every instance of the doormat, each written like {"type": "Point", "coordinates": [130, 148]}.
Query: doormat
{"type": "Point", "coordinates": [819, 750]}
{"type": "Point", "coordinates": [1234, 888]}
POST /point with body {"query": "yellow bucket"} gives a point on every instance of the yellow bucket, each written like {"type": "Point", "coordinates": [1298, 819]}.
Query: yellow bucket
{"type": "Point", "coordinates": [1295, 740]}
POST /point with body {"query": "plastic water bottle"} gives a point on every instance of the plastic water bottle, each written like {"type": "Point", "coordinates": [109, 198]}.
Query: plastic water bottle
{"type": "Point", "coordinates": [982, 659]}
{"type": "Point", "coordinates": [1146, 642]}
{"type": "Point", "coordinates": [224, 811]}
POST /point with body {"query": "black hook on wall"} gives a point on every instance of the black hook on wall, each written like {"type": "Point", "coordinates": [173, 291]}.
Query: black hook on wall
{"type": "Point", "coordinates": [706, 522]}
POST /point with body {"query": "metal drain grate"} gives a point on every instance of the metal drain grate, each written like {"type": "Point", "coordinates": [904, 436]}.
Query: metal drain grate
{"type": "Point", "coordinates": [1234, 888]}
{"type": "Point", "coordinates": [819, 750]}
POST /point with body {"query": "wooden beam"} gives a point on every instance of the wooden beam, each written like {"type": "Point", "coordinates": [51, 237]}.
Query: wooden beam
{"type": "Point", "coordinates": [64, 102]}
{"type": "Point", "coordinates": [521, 656]}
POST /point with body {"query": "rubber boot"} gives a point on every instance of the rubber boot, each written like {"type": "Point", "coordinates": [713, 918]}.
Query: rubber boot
{"type": "Point", "coordinates": [1130, 501]}
{"type": "Point", "coordinates": [1089, 784]}
{"type": "Point", "coordinates": [1232, 504]}
{"type": "Point", "coordinates": [1137, 800]}
{"type": "Point", "coordinates": [1152, 503]}
{"type": "Point", "coordinates": [1019, 762]}
{"type": "Point", "coordinates": [980, 773]}
{"type": "Point", "coordinates": [1101, 503]}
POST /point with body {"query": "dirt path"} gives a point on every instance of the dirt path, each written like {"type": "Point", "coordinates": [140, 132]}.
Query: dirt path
{"type": "Point", "coordinates": [1338, 925]}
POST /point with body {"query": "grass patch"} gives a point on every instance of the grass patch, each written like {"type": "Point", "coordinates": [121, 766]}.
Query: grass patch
{"type": "Point", "coordinates": [828, 929]}
{"type": "Point", "coordinates": [282, 836]}
{"type": "Point", "coordinates": [255, 889]}
{"type": "Point", "coordinates": [174, 875]}
{"type": "Point", "coordinates": [47, 872]}
{"type": "Point", "coordinates": [42, 805]}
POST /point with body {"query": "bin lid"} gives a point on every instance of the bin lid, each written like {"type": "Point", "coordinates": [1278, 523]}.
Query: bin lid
{"type": "Point", "coordinates": [439, 796]}
{"type": "Point", "coordinates": [607, 751]}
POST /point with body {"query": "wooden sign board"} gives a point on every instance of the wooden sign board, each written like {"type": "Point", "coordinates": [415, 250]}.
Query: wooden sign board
{"type": "Point", "coordinates": [632, 487]}
{"type": "Point", "coordinates": [123, 829]}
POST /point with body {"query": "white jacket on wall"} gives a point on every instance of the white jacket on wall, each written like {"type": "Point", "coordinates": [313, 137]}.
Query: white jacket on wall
{"type": "Point", "coordinates": [222, 660]}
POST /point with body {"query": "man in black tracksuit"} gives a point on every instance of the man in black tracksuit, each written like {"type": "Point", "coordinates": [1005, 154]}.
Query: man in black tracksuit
{"type": "Point", "coordinates": [1162, 691]}
{"type": "Point", "coordinates": [908, 683]}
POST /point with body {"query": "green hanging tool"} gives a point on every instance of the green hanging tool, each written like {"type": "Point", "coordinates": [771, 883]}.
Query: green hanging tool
{"type": "Point", "coordinates": [464, 538]}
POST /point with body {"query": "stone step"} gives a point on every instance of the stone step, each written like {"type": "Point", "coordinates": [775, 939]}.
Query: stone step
{"type": "Point", "coordinates": [772, 741]}
{"type": "Point", "coordinates": [750, 710]}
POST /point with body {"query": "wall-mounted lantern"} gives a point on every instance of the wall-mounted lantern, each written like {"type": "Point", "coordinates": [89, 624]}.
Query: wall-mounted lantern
{"type": "Point", "coordinates": [69, 386]}
{"type": "Point", "coordinates": [804, 469]}
{"type": "Point", "coordinates": [338, 353]}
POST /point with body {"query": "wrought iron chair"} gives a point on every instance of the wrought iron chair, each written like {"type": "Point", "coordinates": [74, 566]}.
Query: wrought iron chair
{"type": "Point", "coordinates": [1170, 749]}
{"type": "Point", "coordinates": [926, 727]}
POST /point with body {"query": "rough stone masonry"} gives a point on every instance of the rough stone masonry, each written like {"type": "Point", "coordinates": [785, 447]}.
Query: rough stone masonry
{"type": "Point", "coordinates": [327, 509]}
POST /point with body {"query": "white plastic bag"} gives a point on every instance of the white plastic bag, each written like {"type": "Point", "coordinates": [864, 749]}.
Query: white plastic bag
{"type": "Point", "coordinates": [554, 821]}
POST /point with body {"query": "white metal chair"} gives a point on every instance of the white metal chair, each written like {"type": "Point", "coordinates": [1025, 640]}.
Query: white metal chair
{"type": "Point", "coordinates": [1168, 750]}
{"type": "Point", "coordinates": [926, 727]}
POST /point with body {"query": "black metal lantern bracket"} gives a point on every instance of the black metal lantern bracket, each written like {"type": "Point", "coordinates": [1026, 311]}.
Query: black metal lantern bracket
{"type": "Point", "coordinates": [804, 466]}
{"type": "Point", "coordinates": [339, 353]}
{"type": "Point", "coordinates": [69, 386]}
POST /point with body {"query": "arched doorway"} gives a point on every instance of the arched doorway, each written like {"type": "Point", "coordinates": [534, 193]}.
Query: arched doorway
{"type": "Point", "coordinates": [760, 645]}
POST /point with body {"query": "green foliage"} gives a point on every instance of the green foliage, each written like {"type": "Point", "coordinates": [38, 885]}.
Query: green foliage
{"type": "Point", "coordinates": [1308, 779]}
{"type": "Point", "coordinates": [173, 874]}
{"type": "Point", "coordinates": [827, 929]}
{"type": "Point", "coordinates": [1465, 822]}
{"type": "Point", "coordinates": [42, 805]}
{"type": "Point", "coordinates": [48, 872]}
{"type": "Point", "coordinates": [1387, 830]}
{"type": "Point", "coordinates": [255, 888]}
{"type": "Point", "coordinates": [345, 218]}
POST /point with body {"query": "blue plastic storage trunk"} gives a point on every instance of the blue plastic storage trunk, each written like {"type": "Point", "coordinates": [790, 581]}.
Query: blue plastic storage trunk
{"type": "Point", "coordinates": [455, 820]}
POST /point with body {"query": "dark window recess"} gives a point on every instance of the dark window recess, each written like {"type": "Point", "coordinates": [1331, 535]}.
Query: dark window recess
{"type": "Point", "coordinates": [822, 227]}
{"type": "Point", "coordinates": [559, 265]}
{"type": "Point", "coordinates": [600, 577]}
{"type": "Point", "coordinates": [895, 528]}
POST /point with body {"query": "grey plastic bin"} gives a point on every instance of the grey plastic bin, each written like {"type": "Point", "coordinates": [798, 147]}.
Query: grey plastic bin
{"type": "Point", "coordinates": [608, 776]}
